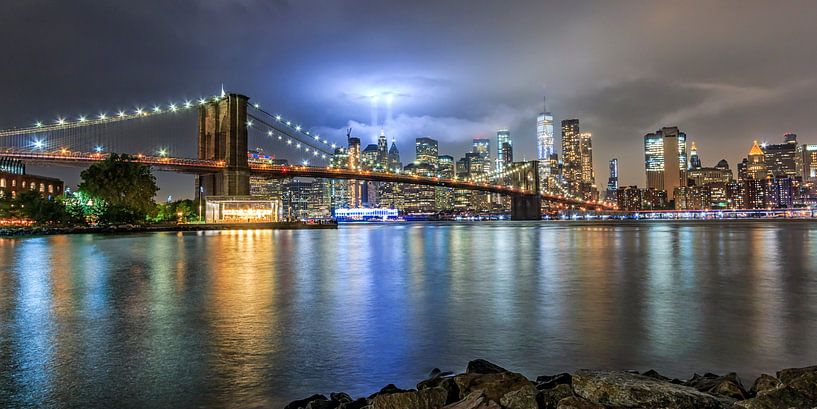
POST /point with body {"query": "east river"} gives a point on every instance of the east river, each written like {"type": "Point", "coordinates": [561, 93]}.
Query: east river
{"type": "Point", "coordinates": [259, 318]}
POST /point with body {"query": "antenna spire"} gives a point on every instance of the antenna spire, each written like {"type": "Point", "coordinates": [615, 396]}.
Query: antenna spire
{"type": "Point", "coordinates": [222, 90]}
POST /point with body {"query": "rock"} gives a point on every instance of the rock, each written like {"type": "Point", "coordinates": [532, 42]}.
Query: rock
{"type": "Point", "coordinates": [549, 398]}
{"type": "Point", "coordinates": [784, 397]}
{"type": "Point", "coordinates": [575, 402]}
{"type": "Point", "coordinates": [728, 385]}
{"type": "Point", "coordinates": [474, 400]}
{"type": "Point", "coordinates": [299, 404]}
{"type": "Point", "coordinates": [493, 385]}
{"type": "Point", "coordinates": [340, 397]}
{"type": "Point", "coordinates": [524, 398]}
{"type": "Point", "coordinates": [360, 403]}
{"type": "Point", "coordinates": [432, 398]}
{"type": "Point", "coordinates": [803, 380]}
{"type": "Point", "coordinates": [764, 383]}
{"type": "Point", "coordinates": [481, 366]}
{"type": "Point", "coordinates": [548, 382]}
{"type": "Point", "coordinates": [436, 372]}
{"type": "Point", "coordinates": [631, 390]}
{"type": "Point", "coordinates": [322, 404]}
{"type": "Point", "coordinates": [386, 390]}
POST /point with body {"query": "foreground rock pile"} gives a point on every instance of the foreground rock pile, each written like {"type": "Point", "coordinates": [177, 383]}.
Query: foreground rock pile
{"type": "Point", "coordinates": [487, 386]}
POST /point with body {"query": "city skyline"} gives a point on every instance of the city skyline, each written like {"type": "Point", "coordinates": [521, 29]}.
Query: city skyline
{"type": "Point", "coordinates": [444, 89]}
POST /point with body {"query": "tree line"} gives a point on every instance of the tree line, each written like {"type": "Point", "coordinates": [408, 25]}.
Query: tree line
{"type": "Point", "coordinates": [117, 190]}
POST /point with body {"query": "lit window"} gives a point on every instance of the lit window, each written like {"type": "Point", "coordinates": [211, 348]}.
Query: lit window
{"type": "Point", "coordinates": [50, 188]}
{"type": "Point", "coordinates": [2, 182]}
{"type": "Point", "coordinates": [14, 183]}
{"type": "Point", "coordinates": [24, 184]}
{"type": "Point", "coordinates": [42, 187]}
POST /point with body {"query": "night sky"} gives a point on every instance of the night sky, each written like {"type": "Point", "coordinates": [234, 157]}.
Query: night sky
{"type": "Point", "coordinates": [725, 72]}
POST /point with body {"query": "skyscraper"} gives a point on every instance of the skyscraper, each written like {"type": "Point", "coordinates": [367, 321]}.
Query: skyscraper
{"type": "Point", "coordinates": [665, 159]}
{"type": "Point", "coordinates": [571, 153]}
{"type": "Point", "coordinates": [355, 190]}
{"type": "Point", "coordinates": [612, 181]}
{"type": "Point", "coordinates": [781, 158]}
{"type": "Point", "coordinates": [394, 157]}
{"type": "Point", "coordinates": [426, 151]}
{"type": "Point", "coordinates": [503, 138]}
{"type": "Point", "coordinates": [544, 146]}
{"type": "Point", "coordinates": [482, 147]}
{"type": "Point", "coordinates": [382, 151]}
{"type": "Point", "coordinates": [756, 167]}
{"type": "Point", "coordinates": [694, 160]}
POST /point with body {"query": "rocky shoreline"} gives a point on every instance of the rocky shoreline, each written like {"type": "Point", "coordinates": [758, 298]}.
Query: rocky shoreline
{"type": "Point", "coordinates": [485, 385]}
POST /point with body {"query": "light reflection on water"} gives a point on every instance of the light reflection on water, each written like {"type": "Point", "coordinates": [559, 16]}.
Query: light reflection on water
{"type": "Point", "coordinates": [257, 318]}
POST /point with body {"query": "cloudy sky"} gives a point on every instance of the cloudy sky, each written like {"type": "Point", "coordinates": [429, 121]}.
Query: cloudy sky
{"type": "Point", "coordinates": [725, 72]}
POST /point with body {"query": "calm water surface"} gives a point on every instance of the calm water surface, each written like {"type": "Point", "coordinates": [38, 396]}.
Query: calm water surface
{"type": "Point", "coordinates": [258, 318]}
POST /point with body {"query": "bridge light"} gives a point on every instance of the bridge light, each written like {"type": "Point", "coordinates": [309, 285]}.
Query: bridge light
{"type": "Point", "coordinates": [61, 121]}
{"type": "Point", "coordinates": [138, 111]}
{"type": "Point", "coordinates": [64, 151]}
{"type": "Point", "coordinates": [307, 132]}
{"type": "Point", "coordinates": [333, 146]}
{"type": "Point", "coordinates": [305, 162]}
{"type": "Point", "coordinates": [317, 138]}
{"type": "Point", "coordinates": [82, 118]}
{"type": "Point", "coordinates": [269, 133]}
{"type": "Point", "coordinates": [289, 123]}
{"type": "Point", "coordinates": [38, 124]}
{"type": "Point", "coordinates": [298, 145]}
{"type": "Point", "coordinates": [297, 127]}
{"type": "Point", "coordinates": [38, 144]}
{"type": "Point", "coordinates": [256, 105]}
{"type": "Point", "coordinates": [98, 149]}
{"type": "Point", "coordinates": [187, 104]}
{"type": "Point", "coordinates": [306, 150]}
{"type": "Point", "coordinates": [173, 108]}
{"type": "Point", "coordinates": [315, 153]}
{"type": "Point", "coordinates": [323, 156]}
{"type": "Point", "coordinates": [280, 137]}
{"type": "Point", "coordinates": [163, 152]}
{"type": "Point", "coordinates": [202, 101]}
{"type": "Point", "coordinates": [249, 123]}
{"type": "Point", "coordinates": [157, 109]}
{"type": "Point", "coordinates": [121, 114]}
{"type": "Point", "coordinates": [289, 141]}
{"type": "Point", "coordinates": [278, 117]}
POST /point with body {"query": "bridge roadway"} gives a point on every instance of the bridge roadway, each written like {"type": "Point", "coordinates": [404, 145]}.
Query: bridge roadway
{"type": "Point", "coordinates": [258, 168]}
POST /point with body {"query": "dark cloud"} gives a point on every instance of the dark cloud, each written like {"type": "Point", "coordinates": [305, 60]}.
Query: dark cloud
{"type": "Point", "coordinates": [726, 72]}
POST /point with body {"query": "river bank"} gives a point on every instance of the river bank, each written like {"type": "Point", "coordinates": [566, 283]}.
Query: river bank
{"type": "Point", "coordinates": [485, 385]}
{"type": "Point", "coordinates": [24, 231]}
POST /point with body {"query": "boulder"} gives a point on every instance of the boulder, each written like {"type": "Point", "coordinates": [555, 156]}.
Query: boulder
{"type": "Point", "coordinates": [652, 373]}
{"type": "Point", "coordinates": [784, 397]}
{"type": "Point", "coordinates": [549, 398]}
{"type": "Point", "coordinates": [301, 403]}
{"type": "Point", "coordinates": [803, 380]}
{"type": "Point", "coordinates": [340, 397]}
{"type": "Point", "coordinates": [524, 398]}
{"type": "Point", "coordinates": [386, 390]}
{"type": "Point", "coordinates": [322, 404]}
{"type": "Point", "coordinates": [474, 400]}
{"type": "Point", "coordinates": [548, 382]}
{"type": "Point", "coordinates": [632, 390]}
{"type": "Point", "coordinates": [728, 385]}
{"type": "Point", "coordinates": [481, 366]}
{"type": "Point", "coordinates": [764, 383]}
{"type": "Point", "coordinates": [575, 402]}
{"type": "Point", "coordinates": [359, 403]}
{"type": "Point", "coordinates": [494, 385]}
{"type": "Point", "coordinates": [432, 398]}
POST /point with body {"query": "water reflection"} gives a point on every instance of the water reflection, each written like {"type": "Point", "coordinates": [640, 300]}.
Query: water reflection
{"type": "Point", "coordinates": [255, 318]}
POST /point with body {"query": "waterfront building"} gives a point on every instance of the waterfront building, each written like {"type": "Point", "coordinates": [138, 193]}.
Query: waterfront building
{"type": "Point", "coordinates": [426, 151]}
{"type": "Point", "coordinates": [444, 196]}
{"type": "Point", "coordinates": [612, 181]}
{"type": "Point", "coordinates": [628, 198]}
{"type": "Point", "coordinates": [418, 198]}
{"type": "Point", "coordinates": [665, 159]}
{"type": "Point", "coordinates": [504, 149]}
{"type": "Point", "coordinates": [14, 179]}
{"type": "Point", "coordinates": [653, 199]}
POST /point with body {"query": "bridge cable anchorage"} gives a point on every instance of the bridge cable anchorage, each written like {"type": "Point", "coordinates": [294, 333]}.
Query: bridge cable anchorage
{"type": "Point", "coordinates": [295, 131]}
{"type": "Point", "coordinates": [63, 123]}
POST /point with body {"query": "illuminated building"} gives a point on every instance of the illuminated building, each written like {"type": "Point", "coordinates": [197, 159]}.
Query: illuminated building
{"type": "Point", "coordinates": [394, 158]}
{"type": "Point", "coordinates": [628, 198]}
{"type": "Point", "coordinates": [504, 149]}
{"type": "Point", "coordinates": [612, 181]}
{"type": "Point", "coordinates": [694, 160]}
{"type": "Point", "coordinates": [339, 191]}
{"type": "Point", "coordinates": [365, 214]}
{"type": "Point", "coordinates": [545, 150]}
{"type": "Point", "coordinates": [653, 199]}
{"type": "Point", "coordinates": [587, 187]}
{"type": "Point", "coordinates": [756, 165]}
{"type": "Point", "coordinates": [483, 148]}
{"type": "Point", "coordinates": [13, 179]}
{"type": "Point", "coordinates": [355, 190]}
{"type": "Point", "coordinates": [704, 176]}
{"type": "Point", "coordinates": [571, 153]}
{"type": "Point", "coordinates": [444, 196]}
{"type": "Point", "coordinates": [241, 209]}
{"type": "Point", "coordinates": [382, 151]}
{"type": "Point", "coordinates": [426, 151]}
{"type": "Point", "coordinates": [781, 159]}
{"type": "Point", "coordinates": [305, 199]}
{"type": "Point", "coordinates": [665, 159]}
{"type": "Point", "coordinates": [419, 198]}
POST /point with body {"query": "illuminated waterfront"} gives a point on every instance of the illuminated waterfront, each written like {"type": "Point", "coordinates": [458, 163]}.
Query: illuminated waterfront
{"type": "Point", "coordinates": [251, 318]}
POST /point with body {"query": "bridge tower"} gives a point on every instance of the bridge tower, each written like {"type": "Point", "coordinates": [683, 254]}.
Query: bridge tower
{"type": "Point", "coordinates": [527, 206]}
{"type": "Point", "coordinates": [222, 136]}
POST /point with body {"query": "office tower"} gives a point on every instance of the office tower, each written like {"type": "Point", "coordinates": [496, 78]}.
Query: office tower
{"type": "Point", "coordinates": [382, 151]}
{"type": "Point", "coordinates": [756, 165]}
{"type": "Point", "coordinates": [665, 159]}
{"type": "Point", "coordinates": [694, 160]}
{"type": "Point", "coordinates": [504, 149]}
{"type": "Point", "coordinates": [807, 162]}
{"type": "Point", "coordinates": [355, 190]}
{"type": "Point", "coordinates": [482, 147]}
{"type": "Point", "coordinates": [544, 146]}
{"type": "Point", "coordinates": [612, 181]}
{"type": "Point", "coordinates": [723, 165]}
{"type": "Point", "coordinates": [586, 157]}
{"type": "Point", "coordinates": [369, 157]}
{"type": "Point", "coordinates": [781, 159]}
{"type": "Point", "coordinates": [394, 158]}
{"type": "Point", "coordinates": [444, 196]}
{"type": "Point", "coordinates": [426, 151]}
{"type": "Point", "coordinates": [571, 151]}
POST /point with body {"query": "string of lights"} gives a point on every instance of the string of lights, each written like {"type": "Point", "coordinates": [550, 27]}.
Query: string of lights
{"type": "Point", "coordinates": [296, 131]}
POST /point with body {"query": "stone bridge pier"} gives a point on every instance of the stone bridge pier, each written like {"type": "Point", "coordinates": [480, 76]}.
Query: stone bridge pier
{"type": "Point", "coordinates": [527, 206]}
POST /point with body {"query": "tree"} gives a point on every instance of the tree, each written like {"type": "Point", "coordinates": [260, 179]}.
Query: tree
{"type": "Point", "coordinates": [42, 210]}
{"type": "Point", "coordinates": [126, 187]}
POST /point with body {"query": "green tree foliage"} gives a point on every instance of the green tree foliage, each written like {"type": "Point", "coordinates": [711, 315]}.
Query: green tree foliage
{"type": "Point", "coordinates": [169, 212]}
{"type": "Point", "coordinates": [126, 187]}
{"type": "Point", "coordinates": [31, 205]}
